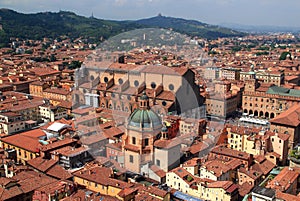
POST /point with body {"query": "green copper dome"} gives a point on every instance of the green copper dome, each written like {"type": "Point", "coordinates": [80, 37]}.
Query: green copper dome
{"type": "Point", "coordinates": [141, 119]}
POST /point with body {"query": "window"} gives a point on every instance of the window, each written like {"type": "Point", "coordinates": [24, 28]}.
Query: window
{"type": "Point", "coordinates": [171, 87]}
{"type": "Point", "coordinates": [146, 142]}
{"type": "Point", "coordinates": [131, 158]}
{"type": "Point", "coordinates": [153, 85]}
{"type": "Point", "coordinates": [120, 81]}
{"type": "Point", "coordinates": [133, 140]}
{"type": "Point", "coordinates": [136, 83]}
{"type": "Point", "coordinates": [157, 162]}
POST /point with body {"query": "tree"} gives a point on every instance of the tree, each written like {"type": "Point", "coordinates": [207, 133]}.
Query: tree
{"type": "Point", "coordinates": [52, 58]}
{"type": "Point", "coordinates": [284, 55]}
{"type": "Point", "coordinates": [75, 64]}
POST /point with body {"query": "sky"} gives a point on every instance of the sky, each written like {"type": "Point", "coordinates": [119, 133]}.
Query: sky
{"type": "Point", "coordinates": [244, 12]}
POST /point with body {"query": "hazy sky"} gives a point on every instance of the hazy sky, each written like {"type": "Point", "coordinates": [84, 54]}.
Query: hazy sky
{"type": "Point", "coordinates": [247, 12]}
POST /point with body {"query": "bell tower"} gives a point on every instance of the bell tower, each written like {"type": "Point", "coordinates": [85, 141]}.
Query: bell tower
{"type": "Point", "coordinates": [144, 102]}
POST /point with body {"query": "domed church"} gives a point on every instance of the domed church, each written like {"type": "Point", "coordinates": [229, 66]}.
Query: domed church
{"type": "Point", "coordinates": [144, 128]}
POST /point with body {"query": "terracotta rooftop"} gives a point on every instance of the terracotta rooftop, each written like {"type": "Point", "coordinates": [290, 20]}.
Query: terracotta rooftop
{"type": "Point", "coordinates": [159, 172]}
{"type": "Point", "coordinates": [284, 179]}
{"type": "Point", "coordinates": [82, 195]}
{"type": "Point", "coordinates": [286, 196]}
{"type": "Point", "coordinates": [183, 174]}
{"type": "Point", "coordinates": [101, 175]}
{"type": "Point", "coordinates": [31, 180]}
{"type": "Point", "coordinates": [245, 188]}
{"type": "Point", "coordinates": [126, 191]}
{"type": "Point", "coordinates": [228, 186]}
{"type": "Point", "coordinates": [59, 172]}
{"type": "Point", "coordinates": [69, 151]}
{"type": "Point", "coordinates": [290, 117]}
{"type": "Point", "coordinates": [192, 162]}
{"type": "Point", "coordinates": [217, 167]}
{"type": "Point", "coordinates": [223, 150]}
{"type": "Point", "coordinates": [254, 174]}
{"type": "Point", "coordinates": [55, 186]}
{"type": "Point", "coordinates": [28, 140]}
{"type": "Point", "coordinates": [58, 144]}
{"type": "Point", "coordinates": [145, 197]}
{"type": "Point", "coordinates": [41, 164]}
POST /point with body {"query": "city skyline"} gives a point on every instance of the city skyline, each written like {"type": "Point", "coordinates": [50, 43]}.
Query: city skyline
{"type": "Point", "coordinates": [266, 12]}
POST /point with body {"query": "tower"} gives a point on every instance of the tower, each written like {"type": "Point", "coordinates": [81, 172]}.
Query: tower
{"type": "Point", "coordinates": [142, 128]}
{"type": "Point", "coordinates": [251, 82]}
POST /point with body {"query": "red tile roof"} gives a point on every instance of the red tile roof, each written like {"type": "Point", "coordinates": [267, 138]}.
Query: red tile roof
{"type": "Point", "coordinates": [265, 167]}
{"type": "Point", "coordinates": [59, 172]}
{"type": "Point", "coordinates": [31, 180]}
{"type": "Point", "coordinates": [101, 175]}
{"type": "Point", "coordinates": [286, 196]}
{"type": "Point", "coordinates": [217, 167]}
{"type": "Point", "coordinates": [41, 164]}
{"type": "Point", "coordinates": [284, 179]}
{"type": "Point", "coordinates": [159, 172]}
{"type": "Point", "coordinates": [28, 140]}
{"type": "Point", "coordinates": [290, 117]}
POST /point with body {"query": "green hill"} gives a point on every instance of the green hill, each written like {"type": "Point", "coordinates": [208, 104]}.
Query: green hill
{"type": "Point", "coordinates": [190, 27]}
{"type": "Point", "coordinates": [51, 24]}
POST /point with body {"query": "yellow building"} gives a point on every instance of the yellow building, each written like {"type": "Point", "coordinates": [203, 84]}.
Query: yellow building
{"type": "Point", "coordinates": [235, 140]}
{"type": "Point", "coordinates": [183, 181]}
{"type": "Point", "coordinates": [218, 190]}
{"type": "Point", "coordinates": [25, 144]}
{"type": "Point", "coordinates": [258, 142]}
{"type": "Point", "coordinates": [215, 170]}
{"type": "Point", "coordinates": [11, 122]}
{"type": "Point", "coordinates": [206, 189]}
{"type": "Point", "coordinates": [100, 179]}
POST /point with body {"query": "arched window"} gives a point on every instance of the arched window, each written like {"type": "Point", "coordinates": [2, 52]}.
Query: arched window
{"type": "Point", "coordinates": [153, 85]}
